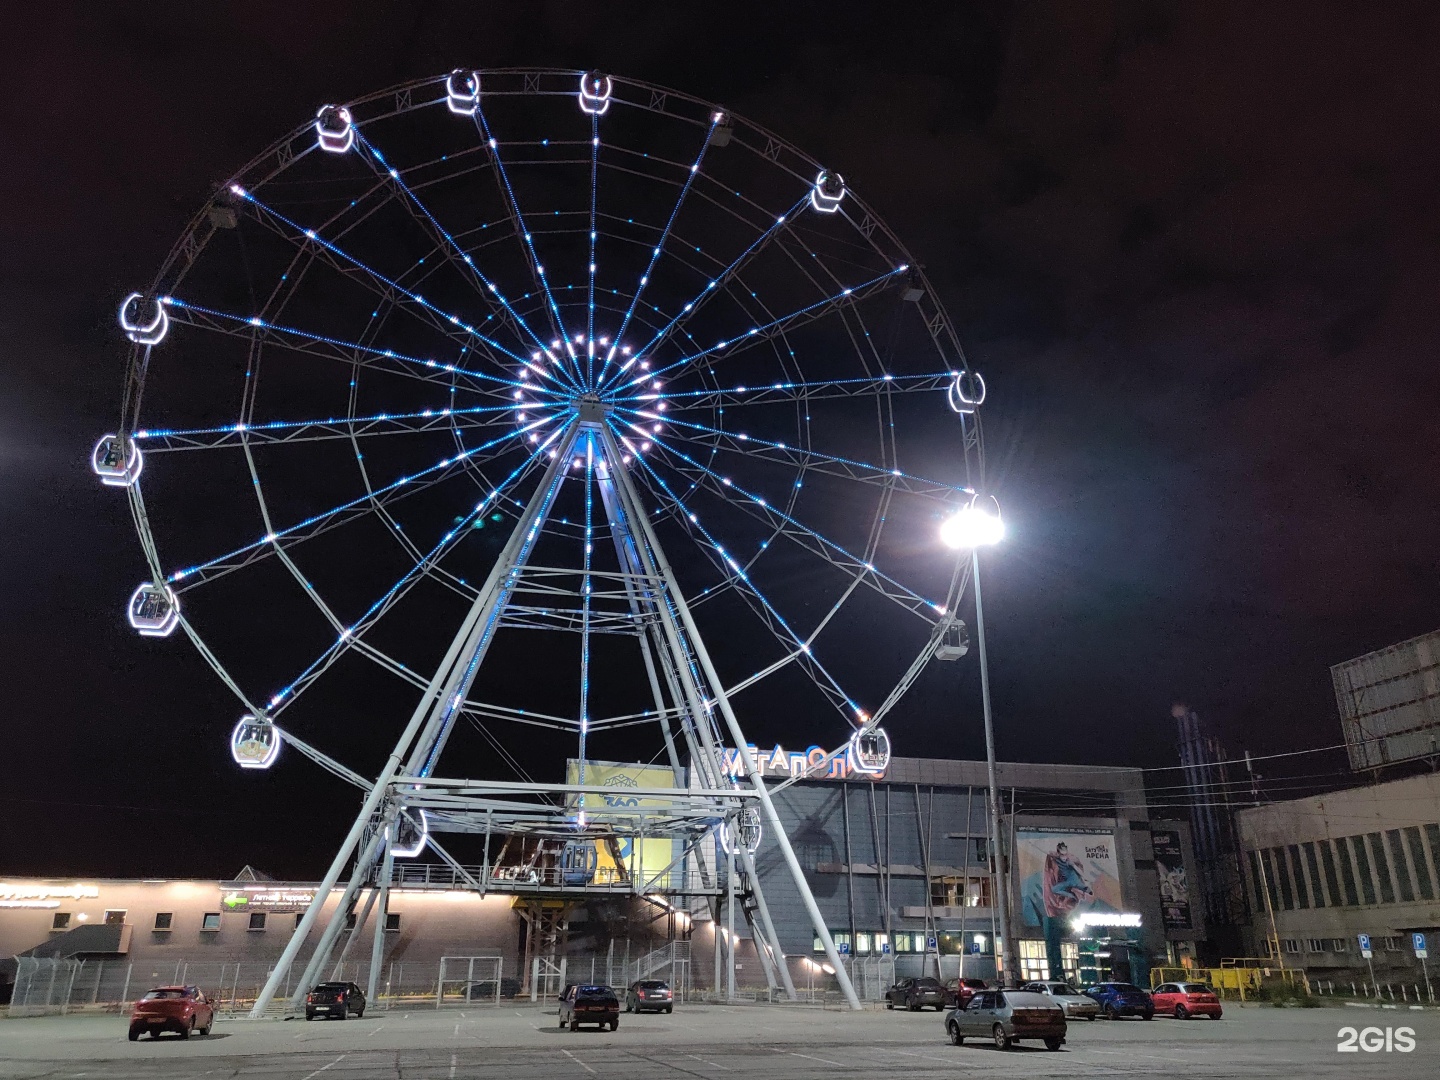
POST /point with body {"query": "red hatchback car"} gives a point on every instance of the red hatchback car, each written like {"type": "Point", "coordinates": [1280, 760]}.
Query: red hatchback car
{"type": "Point", "coordinates": [1186, 999]}
{"type": "Point", "coordinates": [181, 1009]}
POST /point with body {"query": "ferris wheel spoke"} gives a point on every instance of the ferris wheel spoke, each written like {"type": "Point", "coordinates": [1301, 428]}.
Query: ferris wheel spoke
{"type": "Point", "coordinates": [353, 636]}
{"type": "Point", "coordinates": [281, 432]}
{"type": "Point", "coordinates": [789, 526]}
{"type": "Point", "coordinates": [759, 449]}
{"type": "Point", "coordinates": [481, 283]}
{"type": "Point", "coordinates": [713, 286]}
{"type": "Point", "coordinates": [349, 352]}
{"type": "Point", "coordinates": [522, 231]}
{"type": "Point", "coordinates": [775, 327]}
{"type": "Point", "coordinates": [343, 513]}
{"type": "Point", "coordinates": [659, 247]}
{"type": "Point", "coordinates": [443, 320]}
{"type": "Point", "coordinates": [811, 390]}
{"type": "Point", "coordinates": [747, 587]}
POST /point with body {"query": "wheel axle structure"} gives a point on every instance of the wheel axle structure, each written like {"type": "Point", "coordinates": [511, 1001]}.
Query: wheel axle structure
{"type": "Point", "coordinates": [558, 407]}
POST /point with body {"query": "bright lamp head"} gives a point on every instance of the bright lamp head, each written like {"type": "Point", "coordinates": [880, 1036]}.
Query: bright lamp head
{"type": "Point", "coordinates": [976, 525]}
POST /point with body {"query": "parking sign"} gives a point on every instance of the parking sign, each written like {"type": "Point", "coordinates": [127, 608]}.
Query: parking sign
{"type": "Point", "coordinates": [1418, 940]}
{"type": "Point", "coordinates": [885, 949]}
{"type": "Point", "coordinates": [1364, 940]}
{"type": "Point", "coordinates": [844, 947]}
{"type": "Point", "coordinates": [931, 943]}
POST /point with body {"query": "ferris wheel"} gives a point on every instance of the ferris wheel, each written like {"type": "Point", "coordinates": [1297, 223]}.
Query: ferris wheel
{"type": "Point", "coordinates": [587, 411]}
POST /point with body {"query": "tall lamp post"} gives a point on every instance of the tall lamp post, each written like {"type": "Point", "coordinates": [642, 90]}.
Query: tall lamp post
{"type": "Point", "coordinates": [977, 525]}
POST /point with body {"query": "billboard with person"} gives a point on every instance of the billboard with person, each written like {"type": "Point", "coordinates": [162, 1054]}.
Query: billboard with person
{"type": "Point", "coordinates": [1065, 874]}
{"type": "Point", "coordinates": [1174, 888]}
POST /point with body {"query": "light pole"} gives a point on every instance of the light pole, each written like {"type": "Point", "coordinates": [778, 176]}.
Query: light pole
{"type": "Point", "coordinates": [976, 525]}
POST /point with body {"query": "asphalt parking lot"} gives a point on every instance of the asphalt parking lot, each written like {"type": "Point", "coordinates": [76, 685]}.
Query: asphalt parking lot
{"type": "Point", "coordinates": [710, 1043]}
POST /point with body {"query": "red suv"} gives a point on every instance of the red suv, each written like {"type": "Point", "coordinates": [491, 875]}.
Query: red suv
{"type": "Point", "coordinates": [181, 1009]}
{"type": "Point", "coordinates": [1184, 1000]}
{"type": "Point", "coordinates": [958, 992]}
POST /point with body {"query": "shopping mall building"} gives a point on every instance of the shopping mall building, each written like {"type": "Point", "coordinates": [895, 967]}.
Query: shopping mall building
{"type": "Point", "coordinates": [899, 865]}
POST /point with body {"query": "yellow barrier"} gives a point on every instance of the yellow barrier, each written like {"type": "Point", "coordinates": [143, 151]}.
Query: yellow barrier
{"type": "Point", "coordinates": [1240, 976]}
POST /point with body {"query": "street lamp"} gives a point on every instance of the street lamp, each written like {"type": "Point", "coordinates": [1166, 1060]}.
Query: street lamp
{"type": "Point", "coordinates": [978, 524]}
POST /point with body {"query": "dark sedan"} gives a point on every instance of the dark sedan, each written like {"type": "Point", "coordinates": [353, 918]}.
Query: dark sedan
{"type": "Point", "coordinates": [1007, 1016]}
{"type": "Point", "coordinates": [916, 994]}
{"type": "Point", "coordinates": [1119, 999]}
{"type": "Point", "coordinates": [335, 1000]}
{"type": "Point", "coordinates": [582, 1004]}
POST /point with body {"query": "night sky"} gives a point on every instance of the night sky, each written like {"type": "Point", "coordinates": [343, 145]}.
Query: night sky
{"type": "Point", "coordinates": [1193, 249]}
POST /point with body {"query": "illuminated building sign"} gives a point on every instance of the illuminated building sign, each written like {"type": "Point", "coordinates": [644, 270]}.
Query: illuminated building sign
{"type": "Point", "coordinates": [811, 764]}
{"type": "Point", "coordinates": [268, 898]}
{"type": "Point", "coordinates": [1088, 919]}
{"type": "Point", "coordinates": [43, 896]}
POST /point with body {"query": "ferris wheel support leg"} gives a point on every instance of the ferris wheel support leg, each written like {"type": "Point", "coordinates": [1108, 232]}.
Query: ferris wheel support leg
{"type": "Point", "coordinates": [377, 950]}
{"type": "Point", "coordinates": [361, 922]}
{"type": "Point", "coordinates": [775, 954]}
{"type": "Point", "coordinates": [326, 945]}
{"type": "Point", "coordinates": [628, 496]}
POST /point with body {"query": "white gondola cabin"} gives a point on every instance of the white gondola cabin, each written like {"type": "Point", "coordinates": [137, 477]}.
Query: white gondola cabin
{"type": "Point", "coordinates": [742, 833]}
{"type": "Point", "coordinates": [154, 610]}
{"type": "Point", "coordinates": [334, 129]}
{"type": "Point", "coordinates": [829, 189]}
{"type": "Point", "coordinates": [462, 92]}
{"type": "Point", "coordinates": [255, 742]}
{"type": "Point", "coordinates": [595, 88]}
{"type": "Point", "coordinates": [954, 641]}
{"type": "Point", "coordinates": [411, 831]}
{"type": "Point", "coordinates": [870, 751]}
{"type": "Point", "coordinates": [143, 319]}
{"type": "Point", "coordinates": [116, 460]}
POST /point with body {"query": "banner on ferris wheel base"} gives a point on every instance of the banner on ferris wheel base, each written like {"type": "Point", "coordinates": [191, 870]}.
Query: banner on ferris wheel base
{"type": "Point", "coordinates": [810, 764]}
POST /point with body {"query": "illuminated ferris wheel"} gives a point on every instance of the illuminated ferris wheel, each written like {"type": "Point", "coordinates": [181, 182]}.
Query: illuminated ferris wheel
{"type": "Point", "coordinates": [582, 409]}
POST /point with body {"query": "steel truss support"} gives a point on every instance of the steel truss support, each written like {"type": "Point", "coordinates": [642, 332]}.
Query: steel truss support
{"type": "Point", "coordinates": [676, 662]}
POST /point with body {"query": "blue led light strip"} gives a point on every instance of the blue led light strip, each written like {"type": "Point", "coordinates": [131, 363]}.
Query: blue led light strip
{"type": "Point", "coordinates": [535, 263]}
{"type": "Point", "coordinates": [658, 248]}
{"type": "Point", "coordinates": [314, 237]}
{"type": "Point", "coordinates": [283, 425]}
{"type": "Point", "coordinates": [590, 277]}
{"type": "Point", "coordinates": [726, 482]}
{"type": "Point", "coordinates": [287, 694]}
{"type": "Point", "coordinates": [818, 384]}
{"type": "Point", "coordinates": [879, 470]}
{"type": "Point", "coordinates": [754, 331]}
{"type": "Point", "coordinates": [271, 538]}
{"type": "Point", "coordinates": [389, 354]}
{"type": "Point", "coordinates": [741, 575]}
{"type": "Point", "coordinates": [720, 279]}
{"type": "Point", "coordinates": [585, 600]}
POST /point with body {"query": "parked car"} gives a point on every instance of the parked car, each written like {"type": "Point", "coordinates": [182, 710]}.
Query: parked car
{"type": "Point", "coordinates": [337, 999]}
{"type": "Point", "coordinates": [649, 995]}
{"type": "Point", "coordinates": [1119, 999]}
{"type": "Point", "coordinates": [1006, 1016]}
{"type": "Point", "coordinates": [915, 994]}
{"type": "Point", "coordinates": [485, 990]}
{"type": "Point", "coordinates": [581, 1004]}
{"type": "Point", "coordinates": [184, 1010]}
{"type": "Point", "coordinates": [958, 992]}
{"type": "Point", "coordinates": [1184, 1000]}
{"type": "Point", "coordinates": [1068, 998]}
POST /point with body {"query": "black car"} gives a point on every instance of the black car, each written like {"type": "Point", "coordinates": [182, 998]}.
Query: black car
{"type": "Point", "coordinates": [649, 995]}
{"type": "Point", "coordinates": [582, 1004]}
{"type": "Point", "coordinates": [915, 994]}
{"type": "Point", "coordinates": [485, 991]}
{"type": "Point", "coordinates": [337, 999]}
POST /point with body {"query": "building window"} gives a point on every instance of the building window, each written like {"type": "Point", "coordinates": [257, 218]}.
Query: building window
{"type": "Point", "coordinates": [257, 920]}
{"type": "Point", "coordinates": [1033, 962]}
{"type": "Point", "coordinates": [164, 919]}
{"type": "Point", "coordinates": [1289, 945]}
{"type": "Point", "coordinates": [1422, 869]}
{"type": "Point", "coordinates": [1280, 878]}
{"type": "Point", "coordinates": [299, 918]}
{"type": "Point", "coordinates": [1271, 882]}
{"type": "Point", "coordinates": [115, 917]}
{"type": "Point", "coordinates": [1382, 868]}
{"type": "Point", "coordinates": [1302, 893]}
{"type": "Point", "coordinates": [60, 920]}
{"type": "Point", "coordinates": [1347, 871]}
{"type": "Point", "coordinates": [392, 922]}
{"type": "Point", "coordinates": [1314, 945]}
{"type": "Point", "coordinates": [210, 920]}
{"type": "Point", "coordinates": [1432, 834]}
{"type": "Point", "coordinates": [1312, 863]}
{"type": "Point", "coordinates": [1402, 872]}
{"type": "Point", "coordinates": [1393, 944]}
{"type": "Point", "coordinates": [1338, 945]}
{"type": "Point", "coordinates": [902, 942]}
{"type": "Point", "coordinates": [881, 940]}
{"type": "Point", "coordinates": [862, 944]}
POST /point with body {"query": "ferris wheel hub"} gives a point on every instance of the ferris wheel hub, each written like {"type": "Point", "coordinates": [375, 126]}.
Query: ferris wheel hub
{"type": "Point", "coordinates": [592, 410]}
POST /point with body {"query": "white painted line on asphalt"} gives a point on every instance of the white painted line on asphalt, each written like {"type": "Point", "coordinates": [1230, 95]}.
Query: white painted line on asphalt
{"type": "Point", "coordinates": [322, 1068]}
{"type": "Point", "coordinates": [931, 1057]}
{"type": "Point", "coordinates": [368, 1034]}
{"type": "Point", "coordinates": [712, 1064]}
{"type": "Point", "coordinates": [457, 1032]}
{"type": "Point", "coordinates": [573, 1058]}
{"type": "Point", "coordinates": [811, 1057]}
{"type": "Point", "coordinates": [454, 1061]}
